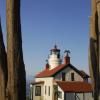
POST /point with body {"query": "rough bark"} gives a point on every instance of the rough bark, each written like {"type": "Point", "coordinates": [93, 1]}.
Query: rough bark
{"type": "Point", "coordinates": [16, 70]}
{"type": "Point", "coordinates": [94, 51]}
{"type": "Point", "coordinates": [3, 67]}
{"type": "Point", "coordinates": [98, 11]}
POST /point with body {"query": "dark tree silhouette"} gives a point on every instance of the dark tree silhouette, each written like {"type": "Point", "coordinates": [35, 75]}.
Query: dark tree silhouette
{"type": "Point", "coordinates": [16, 87]}
{"type": "Point", "coordinates": [3, 67]}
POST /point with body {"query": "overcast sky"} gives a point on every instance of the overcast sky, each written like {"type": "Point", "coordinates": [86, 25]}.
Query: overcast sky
{"type": "Point", "coordinates": [46, 22]}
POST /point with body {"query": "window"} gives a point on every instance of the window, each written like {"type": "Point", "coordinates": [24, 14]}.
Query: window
{"type": "Point", "coordinates": [59, 94]}
{"type": "Point", "coordinates": [72, 76]}
{"type": "Point", "coordinates": [38, 91]}
{"type": "Point", "coordinates": [58, 56]}
{"type": "Point", "coordinates": [45, 89]}
{"type": "Point", "coordinates": [49, 91]}
{"type": "Point", "coordinates": [63, 76]}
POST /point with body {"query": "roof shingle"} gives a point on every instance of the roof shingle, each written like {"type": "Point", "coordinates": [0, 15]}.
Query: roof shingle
{"type": "Point", "coordinates": [49, 73]}
{"type": "Point", "coordinates": [75, 86]}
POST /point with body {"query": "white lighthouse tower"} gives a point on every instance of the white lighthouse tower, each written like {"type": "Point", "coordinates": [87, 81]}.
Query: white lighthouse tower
{"type": "Point", "coordinates": [54, 58]}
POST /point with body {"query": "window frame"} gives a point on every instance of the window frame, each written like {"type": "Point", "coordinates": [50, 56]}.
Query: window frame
{"type": "Point", "coordinates": [72, 76]}
{"type": "Point", "coordinates": [37, 90]}
{"type": "Point", "coordinates": [63, 76]}
{"type": "Point", "coordinates": [45, 89]}
{"type": "Point", "coordinates": [49, 90]}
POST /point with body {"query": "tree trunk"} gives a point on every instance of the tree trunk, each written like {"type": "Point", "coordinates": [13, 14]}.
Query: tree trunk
{"type": "Point", "coordinates": [16, 69]}
{"type": "Point", "coordinates": [3, 67]}
{"type": "Point", "coordinates": [98, 11]}
{"type": "Point", "coordinates": [94, 52]}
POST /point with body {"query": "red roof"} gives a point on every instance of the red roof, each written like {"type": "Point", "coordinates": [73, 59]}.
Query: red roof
{"type": "Point", "coordinates": [55, 49]}
{"type": "Point", "coordinates": [49, 73]}
{"type": "Point", "coordinates": [75, 86]}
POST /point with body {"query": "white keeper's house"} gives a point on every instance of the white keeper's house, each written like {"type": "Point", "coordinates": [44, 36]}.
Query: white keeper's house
{"type": "Point", "coordinates": [60, 80]}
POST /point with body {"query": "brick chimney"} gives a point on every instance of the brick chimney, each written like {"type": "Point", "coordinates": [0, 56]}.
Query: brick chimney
{"type": "Point", "coordinates": [66, 57]}
{"type": "Point", "coordinates": [66, 60]}
{"type": "Point", "coordinates": [47, 65]}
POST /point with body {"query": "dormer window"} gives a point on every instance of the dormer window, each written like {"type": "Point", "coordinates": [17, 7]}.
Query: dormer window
{"type": "Point", "coordinates": [72, 77]}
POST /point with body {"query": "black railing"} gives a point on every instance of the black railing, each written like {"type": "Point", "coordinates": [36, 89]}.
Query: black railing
{"type": "Point", "coordinates": [77, 97]}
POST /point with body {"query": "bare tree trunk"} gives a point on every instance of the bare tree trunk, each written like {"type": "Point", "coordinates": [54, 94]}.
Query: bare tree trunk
{"type": "Point", "coordinates": [16, 68]}
{"type": "Point", "coordinates": [3, 67]}
{"type": "Point", "coordinates": [94, 53]}
{"type": "Point", "coordinates": [98, 11]}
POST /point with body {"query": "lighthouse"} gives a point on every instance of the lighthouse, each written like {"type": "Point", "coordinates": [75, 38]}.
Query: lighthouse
{"type": "Point", "coordinates": [60, 80]}
{"type": "Point", "coordinates": [54, 58]}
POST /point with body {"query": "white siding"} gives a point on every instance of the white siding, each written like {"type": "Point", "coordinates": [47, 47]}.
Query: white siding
{"type": "Point", "coordinates": [80, 96]}
{"type": "Point", "coordinates": [47, 82]}
{"type": "Point", "coordinates": [88, 96]}
{"type": "Point", "coordinates": [68, 72]}
{"type": "Point", "coordinates": [85, 96]}
{"type": "Point", "coordinates": [38, 97]}
{"type": "Point", "coordinates": [59, 89]}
